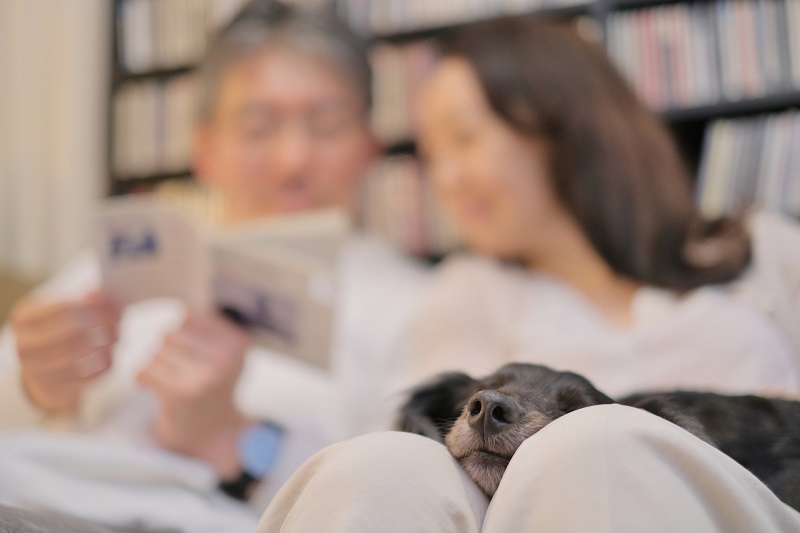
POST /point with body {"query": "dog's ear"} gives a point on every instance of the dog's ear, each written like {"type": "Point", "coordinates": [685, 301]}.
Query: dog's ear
{"type": "Point", "coordinates": [661, 405]}
{"type": "Point", "coordinates": [434, 407]}
{"type": "Point", "coordinates": [577, 393]}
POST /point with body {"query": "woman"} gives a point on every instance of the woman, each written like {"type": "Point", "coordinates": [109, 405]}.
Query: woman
{"type": "Point", "coordinates": [282, 127]}
{"type": "Point", "coordinates": [590, 257]}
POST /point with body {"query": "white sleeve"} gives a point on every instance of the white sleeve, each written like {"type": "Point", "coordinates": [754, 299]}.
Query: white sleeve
{"type": "Point", "coordinates": [462, 323]}
{"type": "Point", "coordinates": [776, 271]}
{"type": "Point", "coordinates": [16, 410]}
{"type": "Point", "coordinates": [785, 232]}
{"type": "Point", "coordinates": [372, 349]}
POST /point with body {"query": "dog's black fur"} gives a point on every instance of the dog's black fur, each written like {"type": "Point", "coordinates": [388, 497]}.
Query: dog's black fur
{"type": "Point", "coordinates": [761, 434]}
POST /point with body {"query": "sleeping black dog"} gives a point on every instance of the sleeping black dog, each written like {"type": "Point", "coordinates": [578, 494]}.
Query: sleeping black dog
{"type": "Point", "coordinates": [483, 422]}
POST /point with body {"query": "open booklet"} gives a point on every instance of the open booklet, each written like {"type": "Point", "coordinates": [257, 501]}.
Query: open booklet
{"type": "Point", "coordinates": [275, 278]}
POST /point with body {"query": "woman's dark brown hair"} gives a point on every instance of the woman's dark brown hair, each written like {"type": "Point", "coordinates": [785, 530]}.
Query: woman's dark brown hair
{"type": "Point", "coordinates": [615, 165]}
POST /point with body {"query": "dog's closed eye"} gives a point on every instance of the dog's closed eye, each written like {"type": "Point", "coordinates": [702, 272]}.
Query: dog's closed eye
{"type": "Point", "coordinates": [434, 407]}
{"type": "Point", "coordinates": [571, 398]}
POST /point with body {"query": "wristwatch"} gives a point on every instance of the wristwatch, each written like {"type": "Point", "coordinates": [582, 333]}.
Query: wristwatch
{"type": "Point", "coordinates": [258, 447]}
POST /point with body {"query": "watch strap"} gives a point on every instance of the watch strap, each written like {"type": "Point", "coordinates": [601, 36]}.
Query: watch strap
{"type": "Point", "coordinates": [258, 449]}
{"type": "Point", "coordinates": [239, 488]}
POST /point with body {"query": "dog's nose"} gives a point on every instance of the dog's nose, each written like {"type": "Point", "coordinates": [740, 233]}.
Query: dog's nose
{"type": "Point", "coordinates": [490, 411]}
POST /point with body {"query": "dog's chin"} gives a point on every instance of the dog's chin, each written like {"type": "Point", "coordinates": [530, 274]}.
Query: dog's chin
{"type": "Point", "coordinates": [485, 459]}
{"type": "Point", "coordinates": [486, 469]}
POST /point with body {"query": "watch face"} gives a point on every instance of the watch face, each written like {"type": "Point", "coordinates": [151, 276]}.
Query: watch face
{"type": "Point", "coordinates": [259, 446]}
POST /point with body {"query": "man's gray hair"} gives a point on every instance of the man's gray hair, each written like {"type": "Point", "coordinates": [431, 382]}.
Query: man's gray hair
{"type": "Point", "coordinates": [265, 23]}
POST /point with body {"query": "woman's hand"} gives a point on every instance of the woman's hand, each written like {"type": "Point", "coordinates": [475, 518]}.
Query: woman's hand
{"type": "Point", "coordinates": [194, 375]}
{"type": "Point", "coordinates": [62, 346]}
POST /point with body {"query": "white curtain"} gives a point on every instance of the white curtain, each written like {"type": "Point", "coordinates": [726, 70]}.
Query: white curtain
{"type": "Point", "coordinates": [54, 78]}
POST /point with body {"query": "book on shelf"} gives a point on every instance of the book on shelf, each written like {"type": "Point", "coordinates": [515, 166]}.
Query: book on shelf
{"type": "Point", "coordinates": [399, 204]}
{"type": "Point", "coordinates": [399, 71]}
{"type": "Point", "coordinates": [276, 279]}
{"type": "Point", "coordinates": [751, 161]}
{"type": "Point", "coordinates": [371, 17]}
{"type": "Point", "coordinates": [161, 34]}
{"type": "Point", "coordinates": [691, 54]}
{"type": "Point", "coordinates": [165, 34]}
{"type": "Point", "coordinates": [152, 124]}
{"type": "Point", "coordinates": [222, 11]}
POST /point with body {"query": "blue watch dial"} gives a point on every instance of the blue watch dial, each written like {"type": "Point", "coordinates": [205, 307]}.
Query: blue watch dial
{"type": "Point", "coordinates": [259, 447]}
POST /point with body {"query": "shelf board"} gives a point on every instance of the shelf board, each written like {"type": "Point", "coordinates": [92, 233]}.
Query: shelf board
{"type": "Point", "coordinates": [122, 76]}
{"type": "Point", "coordinates": [764, 104]}
{"type": "Point", "coordinates": [406, 146]}
{"type": "Point", "coordinates": [413, 34]}
{"type": "Point", "coordinates": [121, 185]}
{"type": "Point", "coordinates": [618, 5]}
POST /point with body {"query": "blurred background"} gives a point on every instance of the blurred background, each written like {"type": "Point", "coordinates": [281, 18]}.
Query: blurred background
{"type": "Point", "coordinates": [96, 99]}
{"type": "Point", "coordinates": [55, 66]}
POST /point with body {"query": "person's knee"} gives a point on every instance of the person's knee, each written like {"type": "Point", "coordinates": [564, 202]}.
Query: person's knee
{"type": "Point", "coordinates": [574, 455]}
{"type": "Point", "coordinates": [385, 455]}
{"type": "Point", "coordinates": [594, 431]}
{"type": "Point", "coordinates": [373, 480]}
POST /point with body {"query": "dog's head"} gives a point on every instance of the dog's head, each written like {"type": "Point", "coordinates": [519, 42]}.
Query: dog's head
{"type": "Point", "coordinates": [483, 422]}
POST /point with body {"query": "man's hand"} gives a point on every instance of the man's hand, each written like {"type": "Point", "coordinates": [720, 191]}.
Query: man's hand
{"type": "Point", "coordinates": [62, 346]}
{"type": "Point", "coordinates": [194, 375]}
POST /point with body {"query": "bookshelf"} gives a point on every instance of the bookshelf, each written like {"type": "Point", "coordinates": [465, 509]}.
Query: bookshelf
{"type": "Point", "coordinates": [698, 63]}
{"type": "Point", "coordinates": [736, 149]}
{"type": "Point", "coordinates": [156, 47]}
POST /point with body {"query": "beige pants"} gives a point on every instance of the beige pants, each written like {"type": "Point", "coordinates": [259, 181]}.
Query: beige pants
{"type": "Point", "coordinates": [602, 469]}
